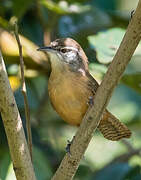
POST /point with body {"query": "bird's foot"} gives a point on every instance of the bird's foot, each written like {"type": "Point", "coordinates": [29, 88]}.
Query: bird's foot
{"type": "Point", "coordinates": [90, 102]}
{"type": "Point", "coordinates": [69, 145]}
{"type": "Point", "coordinates": [132, 14]}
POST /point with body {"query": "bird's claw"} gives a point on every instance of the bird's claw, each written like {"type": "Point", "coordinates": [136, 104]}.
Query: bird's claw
{"type": "Point", "coordinates": [132, 14]}
{"type": "Point", "coordinates": [69, 145]}
{"type": "Point", "coordinates": [90, 102]}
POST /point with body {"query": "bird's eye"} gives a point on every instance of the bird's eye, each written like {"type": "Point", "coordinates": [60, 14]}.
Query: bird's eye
{"type": "Point", "coordinates": [64, 50]}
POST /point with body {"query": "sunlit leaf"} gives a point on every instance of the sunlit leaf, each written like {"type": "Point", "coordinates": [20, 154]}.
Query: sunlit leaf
{"type": "Point", "coordinates": [14, 82]}
{"type": "Point", "coordinates": [32, 58]}
{"type": "Point", "coordinates": [10, 173]}
{"type": "Point", "coordinates": [54, 6]}
{"type": "Point", "coordinates": [63, 7]}
{"type": "Point", "coordinates": [97, 70]}
{"type": "Point", "coordinates": [13, 69]}
{"type": "Point", "coordinates": [107, 42]}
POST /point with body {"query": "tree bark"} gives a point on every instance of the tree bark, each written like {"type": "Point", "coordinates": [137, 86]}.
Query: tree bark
{"type": "Point", "coordinates": [70, 163]}
{"type": "Point", "coordinates": [14, 130]}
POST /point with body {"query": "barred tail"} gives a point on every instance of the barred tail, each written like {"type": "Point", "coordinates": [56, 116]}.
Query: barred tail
{"type": "Point", "coordinates": [112, 128]}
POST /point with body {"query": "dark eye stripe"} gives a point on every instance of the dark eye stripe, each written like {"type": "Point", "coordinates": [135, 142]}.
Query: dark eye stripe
{"type": "Point", "coordinates": [64, 50]}
{"type": "Point", "coordinates": [67, 49]}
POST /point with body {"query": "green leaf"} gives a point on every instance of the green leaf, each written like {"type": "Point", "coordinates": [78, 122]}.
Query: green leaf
{"type": "Point", "coordinates": [107, 42]}
{"type": "Point", "coordinates": [10, 173]}
{"type": "Point", "coordinates": [98, 67]}
{"type": "Point", "coordinates": [20, 7]}
{"type": "Point", "coordinates": [63, 7]}
{"type": "Point", "coordinates": [13, 69]}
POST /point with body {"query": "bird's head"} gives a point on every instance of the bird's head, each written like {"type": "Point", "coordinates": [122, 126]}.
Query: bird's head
{"type": "Point", "coordinates": [68, 52]}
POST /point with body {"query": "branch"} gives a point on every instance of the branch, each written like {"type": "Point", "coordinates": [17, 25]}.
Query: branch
{"type": "Point", "coordinates": [70, 163]}
{"type": "Point", "coordinates": [14, 130]}
{"type": "Point", "coordinates": [24, 92]}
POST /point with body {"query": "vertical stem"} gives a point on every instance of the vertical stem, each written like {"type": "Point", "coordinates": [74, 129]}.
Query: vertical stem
{"type": "Point", "coordinates": [24, 92]}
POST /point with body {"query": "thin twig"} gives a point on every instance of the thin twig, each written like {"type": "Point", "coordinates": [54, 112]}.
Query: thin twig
{"type": "Point", "coordinates": [126, 156]}
{"type": "Point", "coordinates": [24, 92]}
{"type": "Point", "coordinates": [128, 145]}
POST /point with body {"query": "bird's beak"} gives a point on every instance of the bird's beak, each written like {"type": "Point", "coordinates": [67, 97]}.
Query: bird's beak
{"type": "Point", "coordinates": [46, 48]}
{"type": "Point", "coordinates": [51, 52]}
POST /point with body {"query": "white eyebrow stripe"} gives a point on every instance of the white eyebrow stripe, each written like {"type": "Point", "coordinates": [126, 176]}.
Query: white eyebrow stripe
{"type": "Point", "coordinates": [69, 47]}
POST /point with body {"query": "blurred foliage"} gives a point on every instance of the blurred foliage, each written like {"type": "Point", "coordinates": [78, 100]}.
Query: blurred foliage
{"type": "Point", "coordinates": [99, 27]}
{"type": "Point", "coordinates": [107, 42]}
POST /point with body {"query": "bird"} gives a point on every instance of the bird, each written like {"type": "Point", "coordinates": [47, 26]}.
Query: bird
{"type": "Point", "coordinates": [71, 88]}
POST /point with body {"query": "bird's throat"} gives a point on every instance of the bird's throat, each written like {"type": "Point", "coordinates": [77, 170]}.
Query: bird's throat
{"type": "Point", "coordinates": [57, 66]}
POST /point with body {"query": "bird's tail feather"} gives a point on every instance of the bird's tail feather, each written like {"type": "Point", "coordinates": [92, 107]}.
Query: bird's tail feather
{"type": "Point", "coordinates": [112, 128]}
